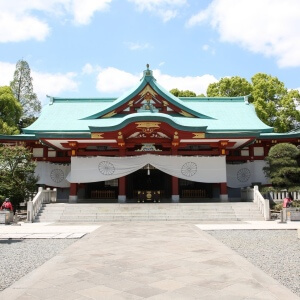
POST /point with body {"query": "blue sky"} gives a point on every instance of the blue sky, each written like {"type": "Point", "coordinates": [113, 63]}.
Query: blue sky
{"type": "Point", "coordinates": [99, 48]}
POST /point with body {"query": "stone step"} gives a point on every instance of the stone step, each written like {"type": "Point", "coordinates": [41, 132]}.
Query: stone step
{"type": "Point", "coordinates": [197, 212]}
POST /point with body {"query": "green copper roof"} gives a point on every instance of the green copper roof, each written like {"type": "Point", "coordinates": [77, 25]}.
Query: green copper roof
{"type": "Point", "coordinates": [274, 135]}
{"type": "Point", "coordinates": [64, 116]}
{"type": "Point", "coordinates": [18, 137]}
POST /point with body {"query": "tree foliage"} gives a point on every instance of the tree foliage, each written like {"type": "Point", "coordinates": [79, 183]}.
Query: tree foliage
{"type": "Point", "coordinates": [10, 111]}
{"type": "Point", "coordinates": [181, 93]}
{"type": "Point", "coordinates": [17, 179]}
{"type": "Point", "coordinates": [23, 90]}
{"type": "Point", "coordinates": [283, 166]}
{"type": "Point", "coordinates": [274, 104]}
{"type": "Point", "coordinates": [229, 87]}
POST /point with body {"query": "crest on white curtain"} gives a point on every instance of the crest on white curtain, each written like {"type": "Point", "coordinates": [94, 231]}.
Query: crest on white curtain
{"type": "Point", "coordinates": [102, 168]}
{"type": "Point", "coordinates": [243, 175]}
{"type": "Point", "coordinates": [53, 175]}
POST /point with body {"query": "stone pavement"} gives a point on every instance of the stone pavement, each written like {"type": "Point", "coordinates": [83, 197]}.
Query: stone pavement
{"type": "Point", "coordinates": [45, 231]}
{"type": "Point", "coordinates": [153, 260]}
{"type": "Point", "coordinates": [252, 225]}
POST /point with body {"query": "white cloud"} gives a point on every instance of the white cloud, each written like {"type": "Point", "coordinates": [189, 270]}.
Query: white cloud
{"type": "Point", "coordinates": [208, 48]}
{"type": "Point", "coordinates": [7, 73]}
{"type": "Point", "coordinates": [112, 80]}
{"type": "Point", "coordinates": [205, 47]}
{"type": "Point", "coordinates": [197, 84]}
{"type": "Point", "coordinates": [19, 22]}
{"type": "Point", "coordinates": [270, 27]}
{"type": "Point", "coordinates": [14, 28]}
{"type": "Point", "coordinates": [84, 10]}
{"type": "Point", "coordinates": [43, 83]}
{"type": "Point", "coordinates": [53, 84]}
{"type": "Point", "coordinates": [88, 69]}
{"type": "Point", "coordinates": [138, 46]}
{"type": "Point", "coordinates": [165, 9]}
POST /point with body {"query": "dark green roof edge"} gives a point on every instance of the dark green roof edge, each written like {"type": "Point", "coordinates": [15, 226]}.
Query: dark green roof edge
{"type": "Point", "coordinates": [56, 99]}
{"type": "Point", "coordinates": [21, 137]}
{"type": "Point", "coordinates": [274, 135]}
{"type": "Point", "coordinates": [63, 135]}
{"type": "Point", "coordinates": [225, 135]}
{"type": "Point", "coordinates": [146, 118]}
{"type": "Point", "coordinates": [214, 99]}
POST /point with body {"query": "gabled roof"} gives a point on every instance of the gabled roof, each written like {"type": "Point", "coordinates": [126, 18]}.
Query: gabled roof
{"type": "Point", "coordinates": [147, 80]}
{"type": "Point", "coordinates": [210, 115]}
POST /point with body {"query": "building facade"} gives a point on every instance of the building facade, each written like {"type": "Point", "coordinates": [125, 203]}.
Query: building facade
{"type": "Point", "coordinates": [150, 145]}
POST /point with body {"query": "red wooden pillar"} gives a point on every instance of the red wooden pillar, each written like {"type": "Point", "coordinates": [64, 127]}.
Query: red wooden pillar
{"type": "Point", "coordinates": [73, 192]}
{"type": "Point", "coordinates": [122, 189]}
{"type": "Point", "coordinates": [122, 180]}
{"type": "Point", "coordinates": [223, 191]}
{"type": "Point", "coordinates": [175, 184]}
{"type": "Point", "coordinates": [175, 189]}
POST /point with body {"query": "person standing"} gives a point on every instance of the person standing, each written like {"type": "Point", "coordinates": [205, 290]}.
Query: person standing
{"type": "Point", "coordinates": [287, 201]}
{"type": "Point", "coordinates": [7, 205]}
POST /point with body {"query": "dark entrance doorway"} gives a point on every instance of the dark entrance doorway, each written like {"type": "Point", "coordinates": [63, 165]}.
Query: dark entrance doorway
{"type": "Point", "coordinates": [141, 180]}
{"type": "Point", "coordinates": [102, 190]}
{"type": "Point", "coordinates": [195, 190]}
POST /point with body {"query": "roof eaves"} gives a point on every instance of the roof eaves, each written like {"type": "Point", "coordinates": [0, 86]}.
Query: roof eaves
{"type": "Point", "coordinates": [138, 117]}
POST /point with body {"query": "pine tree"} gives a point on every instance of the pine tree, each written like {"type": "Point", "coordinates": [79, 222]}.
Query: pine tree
{"type": "Point", "coordinates": [23, 91]}
{"type": "Point", "coordinates": [283, 166]}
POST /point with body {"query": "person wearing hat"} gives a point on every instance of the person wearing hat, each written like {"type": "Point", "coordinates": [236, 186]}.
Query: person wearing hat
{"type": "Point", "coordinates": [7, 205]}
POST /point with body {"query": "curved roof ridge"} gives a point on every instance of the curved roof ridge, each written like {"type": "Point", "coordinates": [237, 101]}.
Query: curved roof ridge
{"type": "Point", "coordinates": [148, 78]}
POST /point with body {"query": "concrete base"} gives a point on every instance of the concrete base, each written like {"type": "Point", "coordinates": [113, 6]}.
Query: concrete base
{"type": "Point", "coordinates": [6, 216]}
{"type": "Point", "coordinates": [73, 199]}
{"type": "Point", "coordinates": [298, 233]}
{"type": "Point", "coordinates": [224, 198]}
{"type": "Point", "coordinates": [175, 198]}
{"type": "Point", "coordinates": [122, 198]}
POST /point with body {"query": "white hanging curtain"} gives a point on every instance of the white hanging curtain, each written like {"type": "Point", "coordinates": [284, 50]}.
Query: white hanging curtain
{"type": "Point", "coordinates": [53, 175]}
{"type": "Point", "coordinates": [193, 168]}
{"type": "Point", "coordinates": [243, 175]}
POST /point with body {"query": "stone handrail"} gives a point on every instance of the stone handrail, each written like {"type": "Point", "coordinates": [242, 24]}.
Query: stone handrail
{"type": "Point", "coordinates": [34, 206]}
{"type": "Point", "coordinates": [262, 203]}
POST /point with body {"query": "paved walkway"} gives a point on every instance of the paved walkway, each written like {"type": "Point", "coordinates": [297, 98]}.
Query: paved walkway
{"type": "Point", "coordinates": [45, 231]}
{"type": "Point", "coordinates": [252, 225]}
{"type": "Point", "coordinates": [153, 260]}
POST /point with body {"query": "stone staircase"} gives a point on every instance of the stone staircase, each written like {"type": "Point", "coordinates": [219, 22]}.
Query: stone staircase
{"type": "Point", "coordinates": [196, 212]}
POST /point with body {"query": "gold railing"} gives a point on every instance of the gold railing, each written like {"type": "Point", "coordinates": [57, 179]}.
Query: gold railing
{"type": "Point", "coordinates": [194, 194]}
{"type": "Point", "coordinates": [106, 194]}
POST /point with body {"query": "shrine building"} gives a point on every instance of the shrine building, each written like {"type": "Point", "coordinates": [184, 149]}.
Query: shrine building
{"type": "Point", "coordinates": [149, 145]}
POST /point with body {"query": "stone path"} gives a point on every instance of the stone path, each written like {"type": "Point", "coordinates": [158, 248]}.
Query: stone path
{"type": "Point", "coordinates": [252, 225]}
{"type": "Point", "coordinates": [45, 231]}
{"type": "Point", "coordinates": [152, 260]}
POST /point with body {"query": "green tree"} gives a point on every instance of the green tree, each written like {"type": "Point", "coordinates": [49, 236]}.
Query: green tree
{"type": "Point", "coordinates": [10, 111]}
{"type": "Point", "coordinates": [287, 116]}
{"type": "Point", "coordinates": [274, 104]}
{"type": "Point", "coordinates": [17, 179]}
{"type": "Point", "coordinates": [283, 166]}
{"type": "Point", "coordinates": [229, 87]}
{"type": "Point", "coordinates": [181, 93]}
{"type": "Point", "coordinates": [23, 90]}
